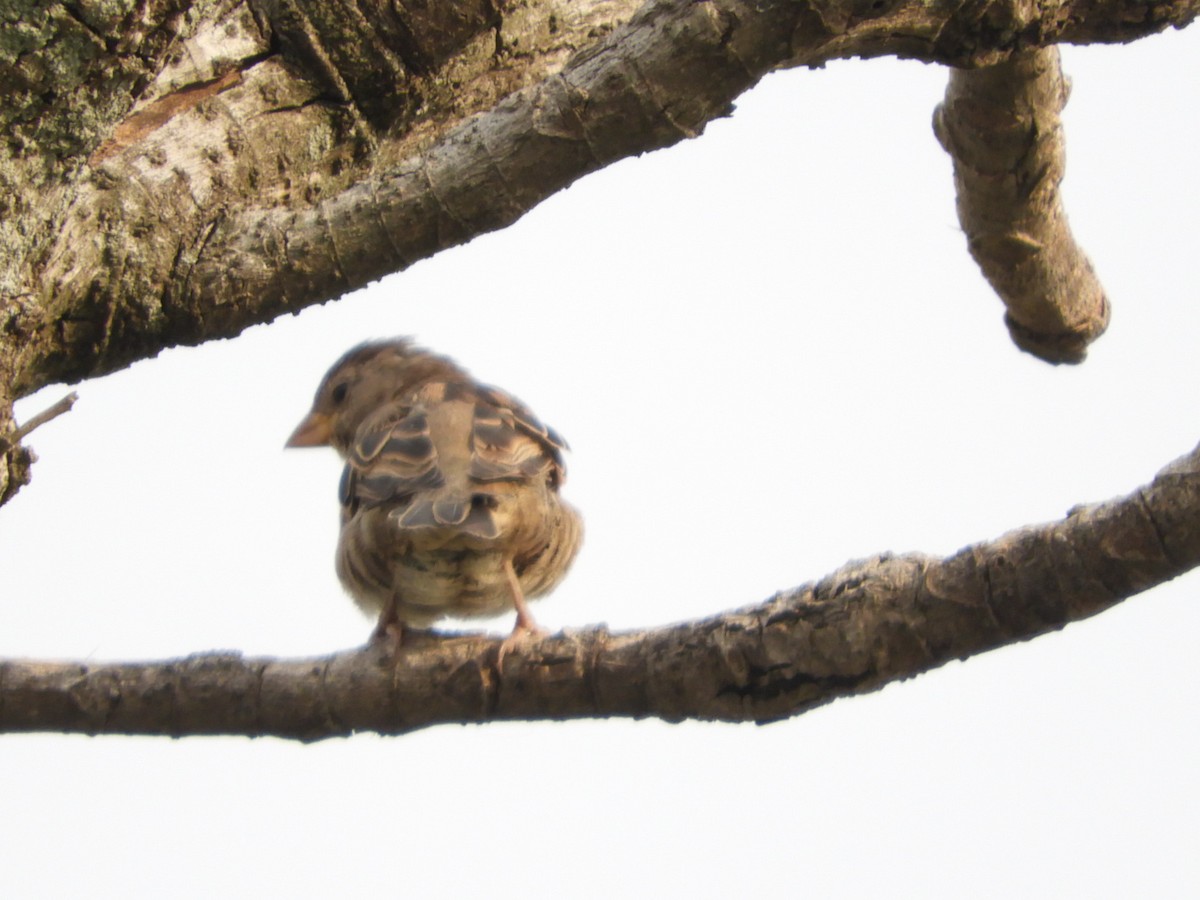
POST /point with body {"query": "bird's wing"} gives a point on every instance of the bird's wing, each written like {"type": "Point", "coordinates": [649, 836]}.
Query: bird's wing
{"type": "Point", "coordinates": [393, 457]}
{"type": "Point", "coordinates": [440, 458]}
{"type": "Point", "coordinates": [508, 443]}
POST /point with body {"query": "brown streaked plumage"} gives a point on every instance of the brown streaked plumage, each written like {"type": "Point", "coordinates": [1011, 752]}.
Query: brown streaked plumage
{"type": "Point", "coordinates": [450, 492]}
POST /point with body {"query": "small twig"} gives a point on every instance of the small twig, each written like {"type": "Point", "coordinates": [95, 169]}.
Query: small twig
{"type": "Point", "coordinates": [62, 406]}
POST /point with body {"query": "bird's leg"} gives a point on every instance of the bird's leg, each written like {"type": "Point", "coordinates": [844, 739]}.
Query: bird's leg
{"type": "Point", "coordinates": [389, 630]}
{"type": "Point", "coordinates": [525, 625]}
{"type": "Point", "coordinates": [525, 622]}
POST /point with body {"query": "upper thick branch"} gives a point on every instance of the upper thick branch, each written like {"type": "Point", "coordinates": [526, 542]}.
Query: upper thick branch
{"type": "Point", "coordinates": [210, 250]}
{"type": "Point", "coordinates": [870, 623]}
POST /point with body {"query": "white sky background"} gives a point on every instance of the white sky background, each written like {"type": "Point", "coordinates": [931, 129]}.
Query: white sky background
{"type": "Point", "coordinates": [771, 354]}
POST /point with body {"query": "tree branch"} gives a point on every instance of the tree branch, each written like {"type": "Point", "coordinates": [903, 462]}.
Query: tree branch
{"type": "Point", "coordinates": [15, 460]}
{"type": "Point", "coordinates": [46, 415]}
{"type": "Point", "coordinates": [1001, 126]}
{"type": "Point", "coordinates": [870, 623]}
{"type": "Point", "coordinates": [227, 262]}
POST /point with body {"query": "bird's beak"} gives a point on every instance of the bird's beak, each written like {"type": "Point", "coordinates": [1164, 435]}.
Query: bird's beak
{"type": "Point", "coordinates": [314, 431]}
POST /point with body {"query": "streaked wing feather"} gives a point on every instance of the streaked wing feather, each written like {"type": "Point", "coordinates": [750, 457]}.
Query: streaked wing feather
{"type": "Point", "coordinates": [525, 420]}
{"type": "Point", "coordinates": [346, 486]}
{"type": "Point", "coordinates": [393, 456]}
{"type": "Point", "coordinates": [510, 444]}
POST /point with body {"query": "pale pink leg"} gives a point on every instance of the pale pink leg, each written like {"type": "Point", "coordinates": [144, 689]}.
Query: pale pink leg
{"type": "Point", "coordinates": [389, 630]}
{"type": "Point", "coordinates": [525, 625]}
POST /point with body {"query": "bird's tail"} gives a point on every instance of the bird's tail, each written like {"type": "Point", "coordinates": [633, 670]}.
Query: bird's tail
{"type": "Point", "coordinates": [466, 513]}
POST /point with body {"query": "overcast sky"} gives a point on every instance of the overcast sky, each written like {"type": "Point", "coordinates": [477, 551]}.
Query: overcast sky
{"type": "Point", "coordinates": [771, 354]}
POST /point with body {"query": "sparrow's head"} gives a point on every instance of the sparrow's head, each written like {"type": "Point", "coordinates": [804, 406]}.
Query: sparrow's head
{"type": "Point", "coordinates": [368, 376]}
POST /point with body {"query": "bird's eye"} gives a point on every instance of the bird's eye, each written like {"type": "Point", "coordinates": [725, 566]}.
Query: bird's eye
{"type": "Point", "coordinates": [339, 394]}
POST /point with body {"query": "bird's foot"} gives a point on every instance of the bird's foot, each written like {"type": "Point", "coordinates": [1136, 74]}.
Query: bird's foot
{"type": "Point", "coordinates": [522, 633]}
{"type": "Point", "coordinates": [387, 638]}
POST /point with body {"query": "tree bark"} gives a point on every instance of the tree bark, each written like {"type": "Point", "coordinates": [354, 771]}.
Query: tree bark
{"type": "Point", "coordinates": [871, 622]}
{"type": "Point", "coordinates": [204, 168]}
{"type": "Point", "coordinates": [1001, 125]}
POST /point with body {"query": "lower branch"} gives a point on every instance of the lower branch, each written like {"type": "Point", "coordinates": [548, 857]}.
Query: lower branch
{"type": "Point", "coordinates": [1001, 125]}
{"type": "Point", "coordinates": [871, 622]}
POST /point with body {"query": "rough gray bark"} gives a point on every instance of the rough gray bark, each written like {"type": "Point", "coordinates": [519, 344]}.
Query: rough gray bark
{"type": "Point", "coordinates": [870, 623]}
{"type": "Point", "coordinates": [1001, 125]}
{"type": "Point", "coordinates": [229, 162]}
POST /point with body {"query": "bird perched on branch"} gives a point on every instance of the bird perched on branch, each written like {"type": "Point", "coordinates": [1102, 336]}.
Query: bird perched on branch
{"type": "Point", "coordinates": [450, 493]}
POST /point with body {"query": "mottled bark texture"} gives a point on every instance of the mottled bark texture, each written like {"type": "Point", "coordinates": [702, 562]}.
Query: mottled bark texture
{"type": "Point", "coordinates": [872, 622]}
{"type": "Point", "coordinates": [1002, 127]}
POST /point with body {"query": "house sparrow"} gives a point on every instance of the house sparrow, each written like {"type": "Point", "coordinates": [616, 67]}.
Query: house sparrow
{"type": "Point", "coordinates": [450, 493]}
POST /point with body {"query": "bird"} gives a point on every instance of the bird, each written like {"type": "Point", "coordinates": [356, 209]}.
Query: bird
{"type": "Point", "coordinates": [450, 492]}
